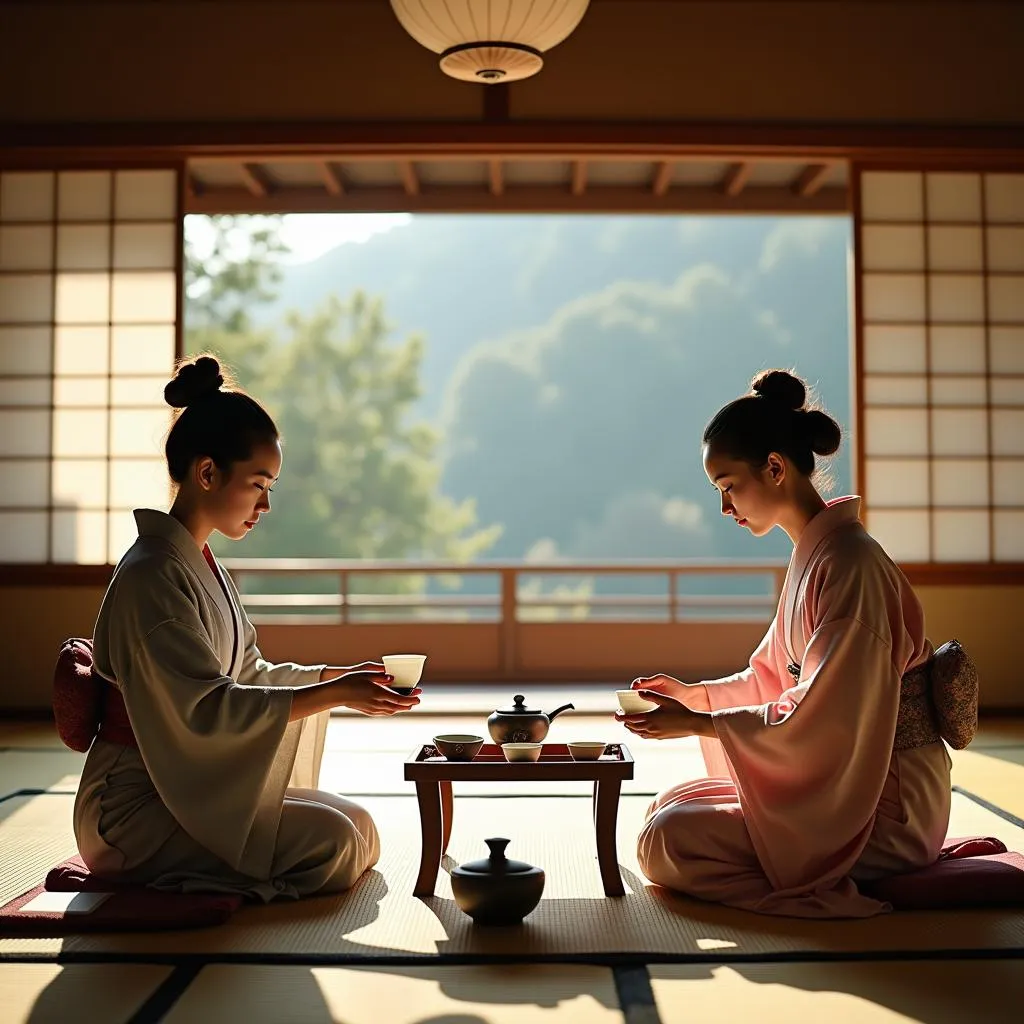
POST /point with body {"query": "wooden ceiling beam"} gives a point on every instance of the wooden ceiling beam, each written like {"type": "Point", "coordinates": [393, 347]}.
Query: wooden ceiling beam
{"type": "Point", "coordinates": [331, 178]}
{"type": "Point", "coordinates": [775, 200]}
{"type": "Point", "coordinates": [662, 177]}
{"type": "Point", "coordinates": [579, 177]}
{"type": "Point", "coordinates": [811, 178]}
{"type": "Point", "coordinates": [555, 154]}
{"type": "Point", "coordinates": [410, 180]}
{"type": "Point", "coordinates": [496, 177]}
{"type": "Point", "coordinates": [736, 178]}
{"type": "Point", "coordinates": [256, 180]}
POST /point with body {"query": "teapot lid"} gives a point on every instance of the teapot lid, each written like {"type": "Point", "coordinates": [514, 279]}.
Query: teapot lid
{"type": "Point", "coordinates": [497, 863]}
{"type": "Point", "coordinates": [518, 707]}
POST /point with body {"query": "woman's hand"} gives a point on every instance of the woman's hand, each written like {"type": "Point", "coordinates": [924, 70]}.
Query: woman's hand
{"type": "Point", "coordinates": [369, 693]}
{"type": "Point", "coordinates": [662, 683]}
{"type": "Point", "coordinates": [671, 719]}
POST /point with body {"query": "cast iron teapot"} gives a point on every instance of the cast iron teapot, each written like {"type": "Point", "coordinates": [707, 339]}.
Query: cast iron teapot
{"type": "Point", "coordinates": [520, 724]}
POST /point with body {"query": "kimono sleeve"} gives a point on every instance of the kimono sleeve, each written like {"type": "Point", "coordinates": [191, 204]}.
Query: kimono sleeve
{"type": "Point", "coordinates": [208, 743]}
{"type": "Point", "coordinates": [758, 683]}
{"type": "Point", "coordinates": [256, 670]}
{"type": "Point", "coordinates": [810, 766]}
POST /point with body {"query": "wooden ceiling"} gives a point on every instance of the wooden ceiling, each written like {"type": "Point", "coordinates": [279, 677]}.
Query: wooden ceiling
{"type": "Point", "coordinates": [549, 182]}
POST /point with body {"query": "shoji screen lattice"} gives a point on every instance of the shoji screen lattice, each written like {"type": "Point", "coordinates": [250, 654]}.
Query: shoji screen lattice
{"type": "Point", "coordinates": [942, 311]}
{"type": "Point", "coordinates": [89, 301]}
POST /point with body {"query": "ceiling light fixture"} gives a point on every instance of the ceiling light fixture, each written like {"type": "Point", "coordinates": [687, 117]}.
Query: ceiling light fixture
{"type": "Point", "coordinates": [490, 41]}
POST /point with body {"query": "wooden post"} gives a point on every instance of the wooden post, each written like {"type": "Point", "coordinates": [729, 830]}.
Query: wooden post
{"type": "Point", "coordinates": [509, 654]}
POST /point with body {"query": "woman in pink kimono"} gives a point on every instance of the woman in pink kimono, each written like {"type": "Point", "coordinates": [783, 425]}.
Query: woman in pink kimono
{"type": "Point", "coordinates": [808, 792]}
{"type": "Point", "coordinates": [203, 774]}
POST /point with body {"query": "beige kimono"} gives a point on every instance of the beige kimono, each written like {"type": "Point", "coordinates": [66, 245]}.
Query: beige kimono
{"type": "Point", "coordinates": [220, 793]}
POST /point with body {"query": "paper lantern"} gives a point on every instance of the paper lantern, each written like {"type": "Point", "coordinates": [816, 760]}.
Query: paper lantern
{"type": "Point", "coordinates": [490, 40]}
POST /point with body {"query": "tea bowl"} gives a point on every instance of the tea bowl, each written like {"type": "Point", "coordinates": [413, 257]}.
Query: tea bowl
{"type": "Point", "coordinates": [586, 750]}
{"type": "Point", "coordinates": [457, 746]}
{"type": "Point", "coordinates": [522, 751]}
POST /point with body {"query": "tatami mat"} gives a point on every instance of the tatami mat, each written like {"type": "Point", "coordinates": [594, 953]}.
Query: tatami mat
{"type": "Point", "coordinates": [536, 994]}
{"type": "Point", "coordinates": [82, 993]}
{"type": "Point", "coordinates": [39, 768]}
{"type": "Point", "coordinates": [995, 775]}
{"type": "Point", "coordinates": [35, 834]}
{"type": "Point", "coordinates": [950, 992]}
{"type": "Point", "coordinates": [380, 918]}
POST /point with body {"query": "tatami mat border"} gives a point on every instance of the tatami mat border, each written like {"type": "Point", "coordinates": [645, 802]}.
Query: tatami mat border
{"type": "Point", "coordinates": [159, 1004]}
{"type": "Point", "coordinates": [610, 960]}
{"type": "Point", "coordinates": [989, 806]}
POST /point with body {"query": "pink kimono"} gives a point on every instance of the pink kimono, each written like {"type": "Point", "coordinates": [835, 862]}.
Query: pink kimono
{"type": "Point", "coordinates": [807, 794]}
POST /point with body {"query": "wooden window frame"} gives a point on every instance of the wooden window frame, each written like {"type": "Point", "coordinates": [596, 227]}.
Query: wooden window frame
{"type": "Point", "coordinates": [114, 147]}
{"type": "Point", "coordinates": [932, 572]}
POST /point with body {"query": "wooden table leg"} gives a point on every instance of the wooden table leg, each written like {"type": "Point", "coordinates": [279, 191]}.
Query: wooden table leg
{"type": "Point", "coordinates": [428, 795]}
{"type": "Point", "coordinates": [447, 812]}
{"type": "Point", "coordinates": [606, 812]}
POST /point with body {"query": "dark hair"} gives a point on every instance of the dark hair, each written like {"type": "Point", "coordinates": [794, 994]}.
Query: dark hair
{"type": "Point", "coordinates": [774, 418]}
{"type": "Point", "coordinates": [216, 419]}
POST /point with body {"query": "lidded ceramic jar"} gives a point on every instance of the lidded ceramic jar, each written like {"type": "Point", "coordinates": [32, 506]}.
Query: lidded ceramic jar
{"type": "Point", "coordinates": [496, 890]}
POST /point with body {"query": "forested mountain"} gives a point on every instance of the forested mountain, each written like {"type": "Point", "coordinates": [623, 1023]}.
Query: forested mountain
{"type": "Point", "coordinates": [570, 363]}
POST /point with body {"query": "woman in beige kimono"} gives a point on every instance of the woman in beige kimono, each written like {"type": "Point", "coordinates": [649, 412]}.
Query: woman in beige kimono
{"type": "Point", "coordinates": [809, 789]}
{"type": "Point", "coordinates": [213, 785]}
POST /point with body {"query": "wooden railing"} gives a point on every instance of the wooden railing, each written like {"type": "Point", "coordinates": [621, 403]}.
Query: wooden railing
{"type": "Point", "coordinates": [514, 621]}
{"type": "Point", "coordinates": [511, 601]}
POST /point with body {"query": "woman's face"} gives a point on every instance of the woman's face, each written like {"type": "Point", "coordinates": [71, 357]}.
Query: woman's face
{"type": "Point", "coordinates": [753, 497]}
{"type": "Point", "coordinates": [233, 502]}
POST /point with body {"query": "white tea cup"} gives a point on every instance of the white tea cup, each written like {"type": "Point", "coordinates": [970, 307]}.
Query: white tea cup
{"type": "Point", "coordinates": [406, 669]}
{"type": "Point", "coordinates": [632, 703]}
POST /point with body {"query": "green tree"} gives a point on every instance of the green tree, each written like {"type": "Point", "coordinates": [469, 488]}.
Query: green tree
{"type": "Point", "coordinates": [360, 479]}
{"type": "Point", "coordinates": [240, 271]}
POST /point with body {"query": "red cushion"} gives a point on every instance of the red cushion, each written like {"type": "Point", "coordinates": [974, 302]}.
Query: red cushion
{"type": "Point", "coordinates": [74, 876]}
{"type": "Point", "coordinates": [975, 871]}
{"type": "Point", "coordinates": [130, 908]}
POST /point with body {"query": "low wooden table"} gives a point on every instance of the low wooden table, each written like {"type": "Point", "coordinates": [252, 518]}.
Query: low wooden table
{"type": "Point", "coordinates": [434, 775]}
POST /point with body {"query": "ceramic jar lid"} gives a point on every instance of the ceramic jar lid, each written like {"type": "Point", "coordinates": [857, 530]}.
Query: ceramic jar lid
{"type": "Point", "coordinates": [497, 863]}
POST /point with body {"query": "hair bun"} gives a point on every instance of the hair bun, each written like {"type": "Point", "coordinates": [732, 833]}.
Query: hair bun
{"type": "Point", "coordinates": [194, 381]}
{"type": "Point", "coordinates": [822, 432]}
{"type": "Point", "coordinates": [780, 386]}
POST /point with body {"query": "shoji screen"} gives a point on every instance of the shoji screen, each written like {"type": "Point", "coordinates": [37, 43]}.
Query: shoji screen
{"type": "Point", "coordinates": [942, 363]}
{"type": "Point", "coordinates": [89, 302]}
